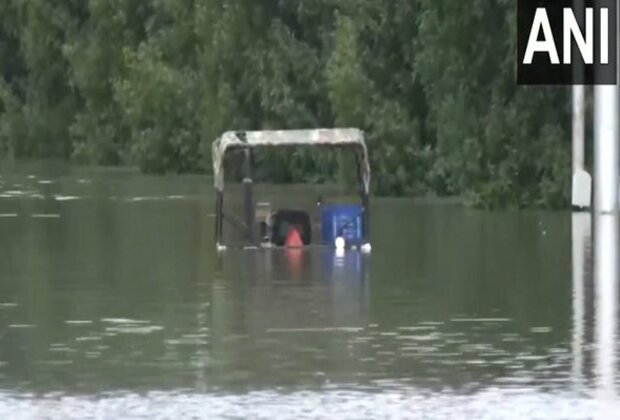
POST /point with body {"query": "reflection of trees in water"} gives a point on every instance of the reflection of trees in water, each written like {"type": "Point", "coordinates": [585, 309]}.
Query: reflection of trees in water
{"type": "Point", "coordinates": [279, 316]}
{"type": "Point", "coordinates": [101, 259]}
{"type": "Point", "coordinates": [420, 309]}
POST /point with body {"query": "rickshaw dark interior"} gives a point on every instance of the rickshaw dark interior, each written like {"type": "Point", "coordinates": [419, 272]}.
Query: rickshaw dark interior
{"type": "Point", "coordinates": [321, 214]}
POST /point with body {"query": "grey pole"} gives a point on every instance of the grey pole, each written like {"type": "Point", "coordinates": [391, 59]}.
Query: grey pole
{"type": "Point", "coordinates": [606, 147]}
{"type": "Point", "coordinates": [579, 99]}
{"type": "Point", "coordinates": [581, 196]}
{"type": "Point", "coordinates": [606, 162]}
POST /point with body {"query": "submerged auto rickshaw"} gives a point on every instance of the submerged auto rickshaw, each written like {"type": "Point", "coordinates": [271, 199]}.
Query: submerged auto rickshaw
{"type": "Point", "coordinates": [342, 225]}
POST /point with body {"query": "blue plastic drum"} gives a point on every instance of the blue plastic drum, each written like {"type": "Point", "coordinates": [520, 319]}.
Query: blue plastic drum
{"type": "Point", "coordinates": [344, 221]}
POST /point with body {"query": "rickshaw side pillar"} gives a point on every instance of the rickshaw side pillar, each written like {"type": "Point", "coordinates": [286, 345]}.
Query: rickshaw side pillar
{"type": "Point", "coordinates": [219, 205]}
{"type": "Point", "coordinates": [248, 202]}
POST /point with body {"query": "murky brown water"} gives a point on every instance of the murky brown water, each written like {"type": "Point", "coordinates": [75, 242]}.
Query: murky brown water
{"type": "Point", "coordinates": [114, 304]}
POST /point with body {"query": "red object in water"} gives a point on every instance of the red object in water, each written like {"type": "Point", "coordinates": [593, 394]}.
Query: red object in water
{"type": "Point", "coordinates": [293, 239]}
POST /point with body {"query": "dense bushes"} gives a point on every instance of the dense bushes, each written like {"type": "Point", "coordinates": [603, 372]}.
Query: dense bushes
{"type": "Point", "coordinates": [153, 82]}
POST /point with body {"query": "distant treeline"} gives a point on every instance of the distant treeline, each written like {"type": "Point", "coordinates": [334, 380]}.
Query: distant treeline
{"type": "Point", "coordinates": [153, 82]}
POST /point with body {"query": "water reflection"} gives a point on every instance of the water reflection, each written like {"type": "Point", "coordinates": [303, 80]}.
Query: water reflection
{"type": "Point", "coordinates": [606, 302]}
{"type": "Point", "coordinates": [121, 306]}
{"type": "Point", "coordinates": [582, 282]}
{"type": "Point", "coordinates": [595, 304]}
{"type": "Point", "coordinates": [282, 317]}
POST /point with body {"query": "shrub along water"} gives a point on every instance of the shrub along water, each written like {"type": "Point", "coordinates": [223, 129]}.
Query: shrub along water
{"type": "Point", "coordinates": [153, 82]}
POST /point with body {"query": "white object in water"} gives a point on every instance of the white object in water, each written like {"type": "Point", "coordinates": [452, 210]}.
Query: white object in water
{"type": "Point", "coordinates": [366, 248]}
{"type": "Point", "coordinates": [582, 189]}
{"type": "Point", "coordinates": [340, 243]}
{"type": "Point", "coordinates": [340, 254]}
{"type": "Point", "coordinates": [221, 248]}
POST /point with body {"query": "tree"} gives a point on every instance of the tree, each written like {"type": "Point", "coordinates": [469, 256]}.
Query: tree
{"type": "Point", "coordinates": [154, 82]}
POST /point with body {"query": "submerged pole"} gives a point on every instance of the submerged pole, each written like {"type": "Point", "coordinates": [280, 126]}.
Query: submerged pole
{"type": "Point", "coordinates": [606, 279]}
{"type": "Point", "coordinates": [581, 244]}
{"type": "Point", "coordinates": [606, 144]}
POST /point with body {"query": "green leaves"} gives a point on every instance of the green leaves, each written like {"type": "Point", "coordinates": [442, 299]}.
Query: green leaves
{"type": "Point", "coordinates": [500, 145]}
{"type": "Point", "coordinates": [154, 82]}
{"type": "Point", "coordinates": [348, 87]}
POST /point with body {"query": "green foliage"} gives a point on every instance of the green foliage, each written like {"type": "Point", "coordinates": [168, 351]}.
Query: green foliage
{"type": "Point", "coordinates": [38, 101]}
{"type": "Point", "coordinates": [497, 144]}
{"type": "Point", "coordinates": [98, 132]}
{"type": "Point", "coordinates": [154, 82]}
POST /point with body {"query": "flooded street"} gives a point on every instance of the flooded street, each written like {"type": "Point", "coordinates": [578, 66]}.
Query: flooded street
{"type": "Point", "coordinates": [115, 304]}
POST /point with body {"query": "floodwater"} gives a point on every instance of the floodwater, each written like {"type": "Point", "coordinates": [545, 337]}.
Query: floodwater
{"type": "Point", "coordinates": [115, 304]}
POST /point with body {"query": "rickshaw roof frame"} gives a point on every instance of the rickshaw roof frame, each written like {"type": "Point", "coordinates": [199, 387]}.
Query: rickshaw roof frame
{"type": "Point", "coordinates": [337, 137]}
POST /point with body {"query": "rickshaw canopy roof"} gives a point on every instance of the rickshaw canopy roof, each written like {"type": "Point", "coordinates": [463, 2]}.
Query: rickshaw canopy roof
{"type": "Point", "coordinates": [338, 137]}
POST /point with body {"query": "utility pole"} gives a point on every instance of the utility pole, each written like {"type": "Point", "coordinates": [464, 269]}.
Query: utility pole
{"type": "Point", "coordinates": [582, 181]}
{"type": "Point", "coordinates": [606, 150]}
{"type": "Point", "coordinates": [606, 142]}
